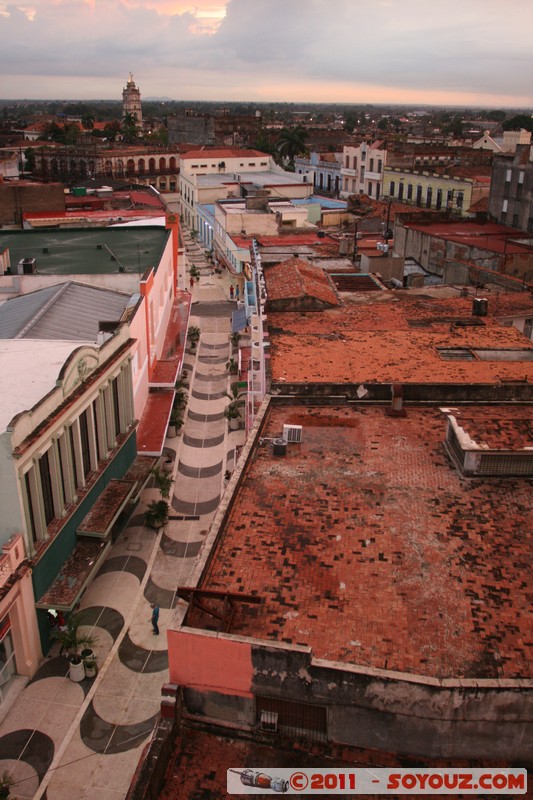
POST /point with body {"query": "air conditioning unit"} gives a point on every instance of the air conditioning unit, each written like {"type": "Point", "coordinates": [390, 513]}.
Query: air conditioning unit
{"type": "Point", "coordinates": [269, 721]}
{"type": "Point", "coordinates": [292, 433]}
{"type": "Point", "coordinates": [358, 235]}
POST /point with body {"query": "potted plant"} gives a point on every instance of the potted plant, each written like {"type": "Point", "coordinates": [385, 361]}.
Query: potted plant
{"type": "Point", "coordinates": [232, 366]}
{"type": "Point", "coordinates": [235, 338]}
{"type": "Point", "coordinates": [233, 415]}
{"type": "Point", "coordinates": [194, 335]}
{"type": "Point", "coordinates": [175, 423]}
{"type": "Point", "coordinates": [73, 640]}
{"type": "Point", "coordinates": [156, 514]}
{"type": "Point", "coordinates": [163, 481]}
{"type": "Point", "coordinates": [183, 380]}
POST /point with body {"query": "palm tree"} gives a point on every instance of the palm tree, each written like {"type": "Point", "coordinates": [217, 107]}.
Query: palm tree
{"type": "Point", "coordinates": [291, 143]}
{"type": "Point", "coordinates": [129, 128]}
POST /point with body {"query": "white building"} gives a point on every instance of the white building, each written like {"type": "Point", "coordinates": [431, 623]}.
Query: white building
{"type": "Point", "coordinates": [362, 169]}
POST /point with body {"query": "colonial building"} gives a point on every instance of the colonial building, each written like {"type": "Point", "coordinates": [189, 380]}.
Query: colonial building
{"type": "Point", "coordinates": [362, 169]}
{"type": "Point", "coordinates": [325, 169]}
{"type": "Point", "coordinates": [450, 188]}
{"type": "Point", "coordinates": [511, 191]}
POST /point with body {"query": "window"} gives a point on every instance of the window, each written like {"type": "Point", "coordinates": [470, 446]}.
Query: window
{"type": "Point", "coordinates": [46, 487]}
{"type": "Point", "coordinates": [370, 189]}
{"type": "Point", "coordinates": [31, 517]}
{"type": "Point", "coordinates": [438, 201]}
{"type": "Point", "coordinates": [116, 405]}
{"type": "Point", "coordinates": [85, 448]}
{"type": "Point", "coordinates": [400, 191]}
{"type": "Point", "coordinates": [429, 196]}
{"type": "Point", "coordinates": [521, 177]}
{"type": "Point", "coordinates": [515, 221]}
{"type": "Point", "coordinates": [460, 199]}
{"type": "Point", "coordinates": [363, 155]}
{"type": "Point", "coordinates": [371, 167]}
{"type": "Point", "coordinates": [410, 191]}
{"type": "Point", "coordinates": [508, 176]}
{"type": "Point", "coordinates": [380, 165]}
{"type": "Point", "coordinates": [391, 189]}
{"type": "Point", "coordinates": [355, 162]}
{"type": "Point", "coordinates": [504, 206]}
{"type": "Point", "coordinates": [419, 195]}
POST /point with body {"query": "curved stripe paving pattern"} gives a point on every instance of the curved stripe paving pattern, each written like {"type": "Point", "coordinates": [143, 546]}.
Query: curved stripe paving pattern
{"type": "Point", "coordinates": [104, 617]}
{"type": "Point", "coordinates": [206, 418]}
{"type": "Point", "coordinates": [210, 378]}
{"type": "Point", "coordinates": [132, 564]}
{"type": "Point", "coordinates": [207, 395]}
{"type": "Point", "coordinates": [171, 547]}
{"type": "Point", "coordinates": [30, 746]}
{"type": "Point", "coordinates": [101, 736]}
{"type": "Point", "coordinates": [191, 441]}
{"type": "Point", "coordinates": [138, 659]}
{"type": "Point", "coordinates": [187, 508]}
{"type": "Point", "coordinates": [200, 472]}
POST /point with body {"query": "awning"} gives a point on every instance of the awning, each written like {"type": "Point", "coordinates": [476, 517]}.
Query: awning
{"type": "Point", "coordinates": [106, 510]}
{"type": "Point", "coordinates": [239, 320]}
{"type": "Point", "coordinates": [152, 428]}
{"type": "Point", "coordinates": [75, 575]}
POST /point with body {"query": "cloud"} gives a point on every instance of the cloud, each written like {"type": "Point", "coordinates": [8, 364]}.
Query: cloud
{"type": "Point", "coordinates": [250, 48]}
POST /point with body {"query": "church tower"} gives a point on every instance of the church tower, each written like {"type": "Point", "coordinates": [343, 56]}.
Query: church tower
{"type": "Point", "coordinates": [131, 101]}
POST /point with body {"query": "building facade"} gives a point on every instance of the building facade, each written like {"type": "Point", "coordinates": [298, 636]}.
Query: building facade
{"type": "Point", "coordinates": [142, 165]}
{"type": "Point", "coordinates": [511, 192]}
{"type": "Point", "coordinates": [362, 169]}
{"type": "Point", "coordinates": [325, 169]}
{"type": "Point", "coordinates": [434, 190]}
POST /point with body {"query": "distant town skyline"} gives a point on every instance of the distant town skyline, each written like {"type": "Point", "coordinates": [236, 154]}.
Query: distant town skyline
{"type": "Point", "coordinates": [474, 53]}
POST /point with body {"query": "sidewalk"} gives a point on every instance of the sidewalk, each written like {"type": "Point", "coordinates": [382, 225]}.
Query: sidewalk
{"type": "Point", "coordinates": [63, 740]}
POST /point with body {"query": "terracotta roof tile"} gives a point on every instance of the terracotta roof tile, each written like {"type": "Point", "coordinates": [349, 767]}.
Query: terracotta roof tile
{"type": "Point", "coordinates": [297, 278]}
{"type": "Point", "coordinates": [369, 547]}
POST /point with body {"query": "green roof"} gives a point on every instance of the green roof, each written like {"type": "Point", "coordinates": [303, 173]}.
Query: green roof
{"type": "Point", "coordinates": [87, 251]}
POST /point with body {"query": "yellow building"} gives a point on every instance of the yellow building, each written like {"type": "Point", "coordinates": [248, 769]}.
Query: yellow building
{"type": "Point", "coordinates": [456, 189]}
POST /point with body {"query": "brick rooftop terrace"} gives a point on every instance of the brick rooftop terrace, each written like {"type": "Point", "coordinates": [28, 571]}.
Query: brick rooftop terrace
{"type": "Point", "coordinates": [376, 341]}
{"type": "Point", "coordinates": [369, 547]}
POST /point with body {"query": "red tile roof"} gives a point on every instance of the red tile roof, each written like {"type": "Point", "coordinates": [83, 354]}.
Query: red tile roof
{"type": "Point", "coordinates": [369, 547]}
{"type": "Point", "coordinates": [296, 278]}
{"type": "Point", "coordinates": [374, 342]}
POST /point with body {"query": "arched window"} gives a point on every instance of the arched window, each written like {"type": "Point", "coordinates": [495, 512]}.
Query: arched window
{"type": "Point", "coordinates": [130, 167]}
{"type": "Point", "coordinates": [429, 197]}
{"type": "Point", "coordinates": [120, 168]}
{"type": "Point", "coordinates": [151, 166]}
{"type": "Point", "coordinates": [162, 164]}
{"type": "Point", "coordinates": [172, 163]}
{"type": "Point", "coordinates": [108, 167]}
{"type": "Point", "coordinates": [141, 166]}
{"type": "Point", "coordinates": [391, 189]}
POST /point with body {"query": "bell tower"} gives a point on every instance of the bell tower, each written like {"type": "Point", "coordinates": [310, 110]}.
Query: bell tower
{"type": "Point", "coordinates": [131, 101]}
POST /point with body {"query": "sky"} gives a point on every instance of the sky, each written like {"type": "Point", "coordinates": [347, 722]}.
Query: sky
{"type": "Point", "coordinates": [438, 52]}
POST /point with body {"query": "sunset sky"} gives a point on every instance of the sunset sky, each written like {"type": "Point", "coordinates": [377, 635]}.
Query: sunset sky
{"type": "Point", "coordinates": [461, 52]}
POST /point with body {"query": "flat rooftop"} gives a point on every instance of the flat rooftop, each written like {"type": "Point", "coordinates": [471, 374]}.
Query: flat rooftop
{"type": "Point", "coordinates": [30, 369]}
{"type": "Point", "coordinates": [388, 339]}
{"type": "Point", "coordinates": [263, 178]}
{"type": "Point", "coordinates": [87, 251]}
{"type": "Point", "coordinates": [370, 548]}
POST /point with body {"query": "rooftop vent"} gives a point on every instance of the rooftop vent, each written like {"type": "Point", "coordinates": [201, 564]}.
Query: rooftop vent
{"type": "Point", "coordinates": [27, 266]}
{"type": "Point", "coordinates": [269, 721]}
{"type": "Point", "coordinates": [292, 433]}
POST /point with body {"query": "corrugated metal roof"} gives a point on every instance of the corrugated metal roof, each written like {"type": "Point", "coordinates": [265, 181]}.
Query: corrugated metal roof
{"type": "Point", "coordinates": [68, 311]}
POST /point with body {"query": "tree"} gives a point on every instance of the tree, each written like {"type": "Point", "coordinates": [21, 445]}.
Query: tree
{"type": "Point", "coordinates": [518, 122]}
{"type": "Point", "coordinates": [29, 156]}
{"type": "Point", "coordinates": [291, 143]}
{"type": "Point", "coordinates": [129, 128]}
{"type": "Point", "coordinates": [88, 122]}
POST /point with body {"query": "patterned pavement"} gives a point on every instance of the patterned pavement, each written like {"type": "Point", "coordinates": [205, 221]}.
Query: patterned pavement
{"type": "Point", "coordinates": [83, 740]}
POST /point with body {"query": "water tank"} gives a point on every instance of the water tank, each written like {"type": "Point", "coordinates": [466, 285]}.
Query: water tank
{"type": "Point", "coordinates": [480, 306]}
{"type": "Point", "coordinates": [279, 447]}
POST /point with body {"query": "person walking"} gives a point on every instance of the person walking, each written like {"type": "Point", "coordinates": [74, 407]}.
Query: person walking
{"type": "Point", "coordinates": [237, 293]}
{"type": "Point", "coordinates": [231, 292]}
{"type": "Point", "coordinates": [155, 619]}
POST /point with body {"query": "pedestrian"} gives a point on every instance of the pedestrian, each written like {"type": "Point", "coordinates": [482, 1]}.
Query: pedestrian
{"type": "Point", "coordinates": [154, 619]}
{"type": "Point", "coordinates": [192, 282]}
{"type": "Point", "coordinates": [231, 292]}
{"type": "Point", "coordinates": [237, 293]}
